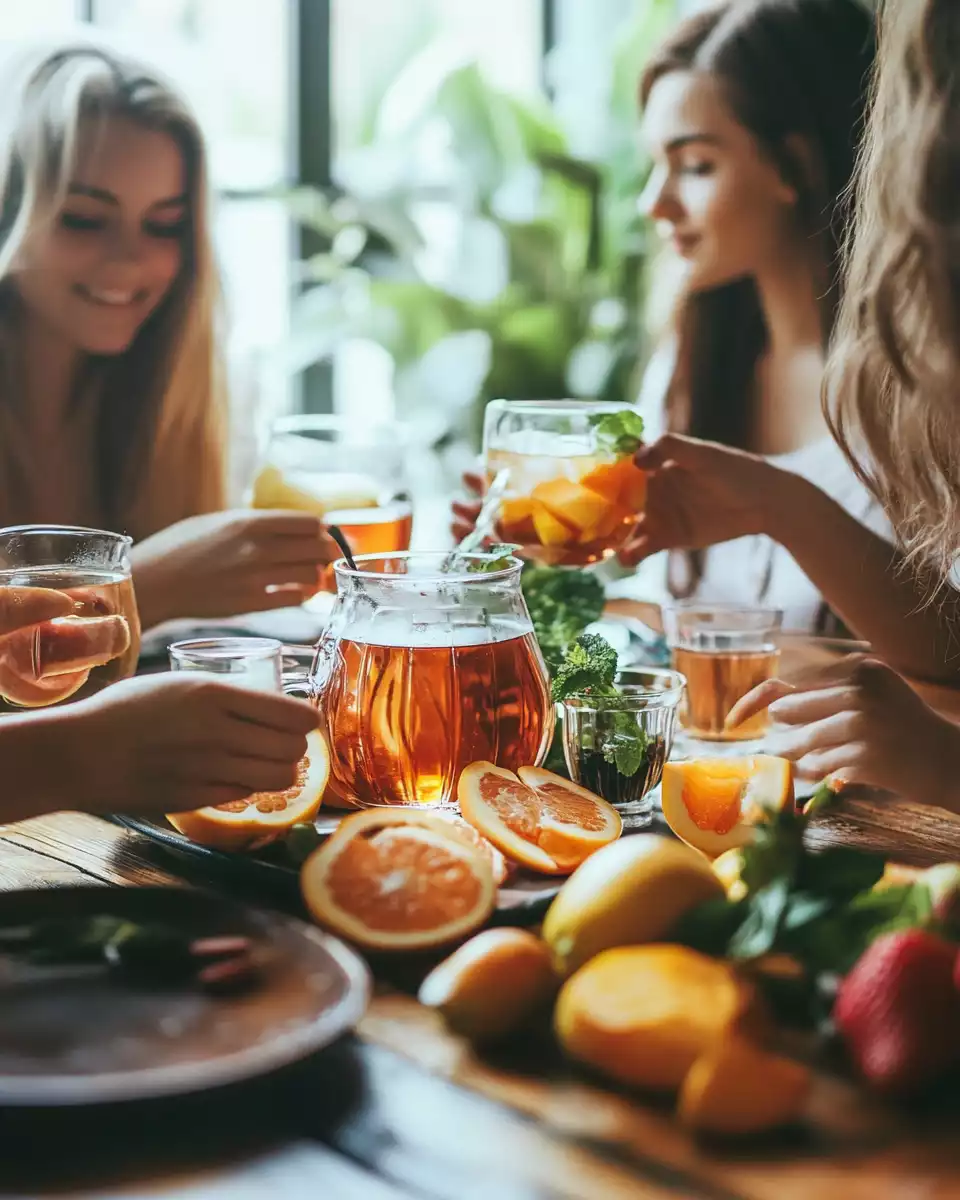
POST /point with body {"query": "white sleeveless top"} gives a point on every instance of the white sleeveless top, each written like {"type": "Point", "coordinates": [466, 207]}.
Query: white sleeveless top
{"type": "Point", "coordinates": [755, 570]}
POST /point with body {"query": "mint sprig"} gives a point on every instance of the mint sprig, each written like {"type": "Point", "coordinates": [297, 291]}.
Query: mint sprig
{"type": "Point", "coordinates": [588, 669]}
{"type": "Point", "coordinates": [619, 433]}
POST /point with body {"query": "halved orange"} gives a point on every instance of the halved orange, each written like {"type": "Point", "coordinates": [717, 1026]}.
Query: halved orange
{"type": "Point", "coordinates": [463, 829]}
{"type": "Point", "coordinates": [263, 817]}
{"type": "Point", "coordinates": [712, 804]}
{"type": "Point", "coordinates": [540, 819]}
{"type": "Point", "coordinates": [421, 887]}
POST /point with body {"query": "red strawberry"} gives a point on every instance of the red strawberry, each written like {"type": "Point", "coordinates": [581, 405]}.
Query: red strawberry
{"type": "Point", "coordinates": [899, 1012]}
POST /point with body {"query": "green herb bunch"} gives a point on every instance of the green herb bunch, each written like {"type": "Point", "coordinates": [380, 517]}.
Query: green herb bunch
{"type": "Point", "coordinates": [588, 670]}
{"type": "Point", "coordinates": [820, 907]}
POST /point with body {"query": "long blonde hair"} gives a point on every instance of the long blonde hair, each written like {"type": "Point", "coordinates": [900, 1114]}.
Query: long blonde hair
{"type": "Point", "coordinates": [162, 416]}
{"type": "Point", "coordinates": [892, 390]}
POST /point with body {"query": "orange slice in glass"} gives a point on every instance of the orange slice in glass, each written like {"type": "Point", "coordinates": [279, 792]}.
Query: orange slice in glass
{"type": "Point", "coordinates": [540, 819]}
{"type": "Point", "coordinates": [263, 817]}
{"type": "Point", "coordinates": [712, 804]}
{"type": "Point", "coordinates": [418, 888]}
{"type": "Point", "coordinates": [46, 663]}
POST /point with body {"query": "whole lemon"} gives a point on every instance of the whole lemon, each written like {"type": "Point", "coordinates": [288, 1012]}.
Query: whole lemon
{"type": "Point", "coordinates": [630, 892]}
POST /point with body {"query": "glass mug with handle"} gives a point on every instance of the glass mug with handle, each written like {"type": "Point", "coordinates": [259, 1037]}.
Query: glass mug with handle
{"type": "Point", "coordinates": [572, 493]}
{"type": "Point", "coordinates": [96, 640]}
{"type": "Point", "coordinates": [350, 476]}
{"type": "Point", "coordinates": [723, 651]}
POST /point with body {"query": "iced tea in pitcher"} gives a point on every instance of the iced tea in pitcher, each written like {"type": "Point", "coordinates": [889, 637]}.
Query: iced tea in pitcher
{"type": "Point", "coordinates": [96, 641]}
{"type": "Point", "coordinates": [423, 670]}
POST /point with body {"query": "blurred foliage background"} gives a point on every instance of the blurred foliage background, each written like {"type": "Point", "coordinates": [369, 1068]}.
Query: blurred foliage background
{"type": "Point", "coordinates": [482, 243]}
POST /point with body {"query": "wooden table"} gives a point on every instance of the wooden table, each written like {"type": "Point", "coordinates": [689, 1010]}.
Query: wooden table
{"type": "Point", "coordinates": [404, 1110]}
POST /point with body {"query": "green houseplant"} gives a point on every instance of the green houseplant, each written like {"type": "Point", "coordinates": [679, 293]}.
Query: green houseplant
{"type": "Point", "coordinates": [470, 243]}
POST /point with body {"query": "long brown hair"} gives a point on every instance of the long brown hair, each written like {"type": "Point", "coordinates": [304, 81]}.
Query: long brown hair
{"type": "Point", "coordinates": [891, 386]}
{"type": "Point", "coordinates": [162, 412]}
{"type": "Point", "coordinates": [790, 69]}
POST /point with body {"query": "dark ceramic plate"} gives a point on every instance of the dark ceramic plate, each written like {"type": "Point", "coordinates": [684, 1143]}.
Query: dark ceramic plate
{"type": "Point", "coordinates": [523, 898]}
{"type": "Point", "coordinates": [84, 1035]}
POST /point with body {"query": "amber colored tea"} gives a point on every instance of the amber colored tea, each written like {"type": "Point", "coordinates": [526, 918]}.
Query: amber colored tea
{"type": "Point", "coordinates": [381, 530]}
{"type": "Point", "coordinates": [716, 680]}
{"type": "Point", "coordinates": [74, 656]}
{"type": "Point", "coordinates": [402, 721]}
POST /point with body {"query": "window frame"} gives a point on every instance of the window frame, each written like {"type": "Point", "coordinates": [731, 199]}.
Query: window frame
{"type": "Point", "coordinates": [310, 154]}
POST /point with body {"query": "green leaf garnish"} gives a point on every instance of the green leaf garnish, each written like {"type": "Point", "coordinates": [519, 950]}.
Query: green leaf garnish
{"type": "Point", "coordinates": [496, 558]}
{"type": "Point", "coordinates": [589, 666]}
{"type": "Point", "coordinates": [620, 432]}
{"type": "Point", "coordinates": [820, 908]}
{"type": "Point", "coordinates": [588, 669]}
{"type": "Point", "coordinates": [562, 603]}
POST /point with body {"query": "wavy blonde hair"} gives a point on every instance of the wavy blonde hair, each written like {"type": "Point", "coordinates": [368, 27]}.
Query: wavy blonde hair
{"type": "Point", "coordinates": [892, 388]}
{"type": "Point", "coordinates": [162, 416]}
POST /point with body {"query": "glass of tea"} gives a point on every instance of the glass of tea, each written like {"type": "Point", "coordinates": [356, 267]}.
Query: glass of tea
{"type": "Point", "coordinates": [616, 746]}
{"type": "Point", "coordinates": [255, 663]}
{"type": "Point", "coordinates": [723, 651]}
{"type": "Point", "coordinates": [95, 642]}
{"type": "Point", "coordinates": [571, 499]}
{"type": "Point", "coordinates": [351, 476]}
{"type": "Point", "coordinates": [428, 663]}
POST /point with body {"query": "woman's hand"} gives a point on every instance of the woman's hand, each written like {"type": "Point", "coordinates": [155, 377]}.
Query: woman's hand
{"type": "Point", "coordinates": [860, 722]}
{"type": "Point", "coordinates": [464, 513]}
{"type": "Point", "coordinates": [702, 493]}
{"type": "Point", "coordinates": [161, 743]}
{"type": "Point", "coordinates": [221, 564]}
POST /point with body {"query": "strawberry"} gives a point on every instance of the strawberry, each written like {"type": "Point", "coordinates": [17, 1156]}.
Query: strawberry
{"type": "Point", "coordinates": [899, 1012]}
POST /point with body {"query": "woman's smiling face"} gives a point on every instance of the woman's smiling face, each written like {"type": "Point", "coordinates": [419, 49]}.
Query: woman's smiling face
{"type": "Point", "coordinates": [116, 246]}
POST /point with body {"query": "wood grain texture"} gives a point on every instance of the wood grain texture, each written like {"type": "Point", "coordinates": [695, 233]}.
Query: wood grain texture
{"type": "Point", "coordinates": [407, 1110]}
{"type": "Point", "coordinates": [849, 1148]}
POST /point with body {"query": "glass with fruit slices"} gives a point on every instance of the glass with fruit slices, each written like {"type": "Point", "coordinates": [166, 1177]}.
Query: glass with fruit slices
{"type": "Point", "coordinates": [573, 492]}
{"type": "Point", "coordinates": [77, 626]}
{"type": "Point", "coordinates": [350, 476]}
{"type": "Point", "coordinates": [428, 663]}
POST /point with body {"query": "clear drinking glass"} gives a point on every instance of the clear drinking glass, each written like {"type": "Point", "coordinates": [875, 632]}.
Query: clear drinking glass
{"type": "Point", "coordinates": [96, 641]}
{"type": "Point", "coordinates": [723, 651]}
{"type": "Point", "coordinates": [569, 501]}
{"type": "Point", "coordinates": [254, 663]}
{"type": "Point", "coordinates": [427, 666]}
{"type": "Point", "coordinates": [595, 728]}
{"type": "Point", "coordinates": [351, 476]}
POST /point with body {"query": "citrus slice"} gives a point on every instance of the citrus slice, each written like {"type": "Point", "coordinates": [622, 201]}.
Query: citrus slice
{"type": "Point", "coordinates": [712, 804]}
{"type": "Point", "coordinates": [263, 817]}
{"type": "Point", "coordinates": [463, 829]}
{"type": "Point", "coordinates": [575, 822]}
{"type": "Point", "coordinates": [46, 663]}
{"type": "Point", "coordinates": [419, 888]}
{"type": "Point", "coordinates": [543, 821]}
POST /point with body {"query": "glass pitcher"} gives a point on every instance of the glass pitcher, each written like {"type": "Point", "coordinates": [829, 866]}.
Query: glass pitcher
{"type": "Point", "coordinates": [427, 666]}
{"type": "Point", "coordinates": [94, 638]}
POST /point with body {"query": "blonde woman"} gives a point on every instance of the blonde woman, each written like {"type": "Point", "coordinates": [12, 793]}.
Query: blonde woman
{"type": "Point", "coordinates": [112, 408]}
{"type": "Point", "coordinates": [893, 406]}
